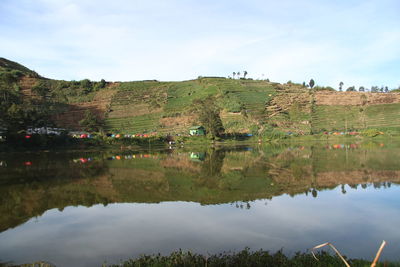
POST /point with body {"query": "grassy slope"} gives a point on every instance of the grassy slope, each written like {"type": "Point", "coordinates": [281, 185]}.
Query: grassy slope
{"type": "Point", "coordinates": [331, 118]}
{"type": "Point", "coordinates": [11, 65]}
{"type": "Point", "coordinates": [167, 107]}
{"type": "Point", "coordinates": [140, 106]}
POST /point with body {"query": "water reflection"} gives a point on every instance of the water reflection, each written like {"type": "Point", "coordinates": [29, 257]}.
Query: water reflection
{"type": "Point", "coordinates": [336, 189]}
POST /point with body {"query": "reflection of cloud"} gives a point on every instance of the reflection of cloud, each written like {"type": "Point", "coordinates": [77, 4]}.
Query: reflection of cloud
{"type": "Point", "coordinates": [79, 235]}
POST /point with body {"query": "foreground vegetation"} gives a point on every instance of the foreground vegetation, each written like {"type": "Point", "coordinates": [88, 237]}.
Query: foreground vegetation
{"type": "Point", "coordinates": [243, 258]}
{"type": "Point", "coordinates": [246, 258]}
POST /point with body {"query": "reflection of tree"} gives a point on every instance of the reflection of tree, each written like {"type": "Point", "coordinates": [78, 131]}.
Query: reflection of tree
{"type": "Point", "coordinates": [343, 189]}
{"type": "Point", "coordinates": [241, 205]}
{"type": "Point", "coordinates": [213, 163]}
{"type": "Point", "coordinates": [353, 186]}
{"type": "Point", "coordinates": [211, 169]}
{"type": "Point", "coordinates": [314, 192]}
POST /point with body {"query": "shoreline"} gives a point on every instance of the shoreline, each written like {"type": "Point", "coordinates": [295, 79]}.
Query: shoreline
{"type": "Point", "coordinates": [96, 144]}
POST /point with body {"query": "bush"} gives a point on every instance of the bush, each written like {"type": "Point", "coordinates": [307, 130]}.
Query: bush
{"type": "Point", "coordinates": [40, 89]}
{"type": "Point", "coordinates": [371, 133]}
{"type": "Point", "coordinates": [91, 123]}
{"type": "Point", "coordinates": [244, 258]}
{"type": "Point", "coordinates": [273, 134]}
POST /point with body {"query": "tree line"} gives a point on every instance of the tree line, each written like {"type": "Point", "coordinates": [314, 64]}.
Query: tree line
{"type": "Point", "coordinates": [372, 89]}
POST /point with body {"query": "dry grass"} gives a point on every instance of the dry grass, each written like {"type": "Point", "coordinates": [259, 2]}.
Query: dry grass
{"type": "Point", "coordinates": [373, 264]}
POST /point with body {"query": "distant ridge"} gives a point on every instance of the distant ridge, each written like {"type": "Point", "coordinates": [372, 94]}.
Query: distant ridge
{"type": "Point", "coordinates": [11, 65]}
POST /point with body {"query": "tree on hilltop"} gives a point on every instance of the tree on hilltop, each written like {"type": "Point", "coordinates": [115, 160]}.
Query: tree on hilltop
{"type": "Point", "coordinates": [311, 83]}
{"type": "Point", "coordinates": [102, 83]}
{"type": "Point", "coordinates": [86, 83]}
{"type": "Point", "coordinates": [245, 74]}
{"type": "Point", "coordinates": [341, 86]}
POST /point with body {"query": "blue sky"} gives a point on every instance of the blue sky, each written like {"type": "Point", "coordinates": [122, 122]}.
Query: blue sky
{"type": "Point", "coordinates": [357, 42]}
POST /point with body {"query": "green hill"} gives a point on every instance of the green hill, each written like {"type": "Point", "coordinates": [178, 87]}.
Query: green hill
{"type": "Point", "coordinates": [247, 106]}
{"type": "Point", "coordinates": [6, 64]}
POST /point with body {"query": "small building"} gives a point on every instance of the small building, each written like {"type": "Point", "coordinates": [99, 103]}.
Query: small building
{"type": "Point", "coordinates": [197, 156]}
{"type": "Point", "coordinates": [197, 130]}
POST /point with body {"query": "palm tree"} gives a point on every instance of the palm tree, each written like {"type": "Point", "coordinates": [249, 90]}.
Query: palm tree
{"type": "Point", "coordinates": [238, 74]}
{"type": "Point", "coordinates": [234, 73]}
{"type": "Point", "coordinates": [244, 74]}
{"type": "Point", "coordinates": [341, 86]}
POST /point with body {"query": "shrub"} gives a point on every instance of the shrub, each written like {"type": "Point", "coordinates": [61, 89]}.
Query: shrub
{"type": "Point", "coordinates": [371, 133]}
{"type": "Point", "coordinates": [245, 257]}
{"type": "Point", "coordinates": [40, 89]}
{"type": "Point", "coordinates": [91, 123]}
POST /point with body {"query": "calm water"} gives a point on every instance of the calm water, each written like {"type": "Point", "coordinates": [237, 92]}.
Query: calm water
{"type": "Point", "coordinates": [83, 209]}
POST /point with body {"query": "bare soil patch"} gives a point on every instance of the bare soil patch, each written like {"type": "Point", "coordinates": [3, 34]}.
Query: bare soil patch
{"type": "Point", "coordinates": [355, 98]}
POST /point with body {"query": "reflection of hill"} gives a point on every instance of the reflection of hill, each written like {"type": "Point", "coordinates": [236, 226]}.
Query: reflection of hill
{"type": "Point", "coordinates": [223, 177]}
{"type": "Point", "coordinates": [296, 171]}
{"type": "Point", "coordinates": [329, 179]}
{"type": "Point", "coordinates": [180, 162]}
{"type": "Point", "coordinates": [28, 192]}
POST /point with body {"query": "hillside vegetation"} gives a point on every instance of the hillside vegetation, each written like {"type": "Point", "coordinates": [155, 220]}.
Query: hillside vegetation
{"type": "Point", "coordinates": [246, 105]}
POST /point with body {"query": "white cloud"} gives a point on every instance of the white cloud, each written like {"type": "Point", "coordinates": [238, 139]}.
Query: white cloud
{"type": "Point", "coordinates": [353, 41]}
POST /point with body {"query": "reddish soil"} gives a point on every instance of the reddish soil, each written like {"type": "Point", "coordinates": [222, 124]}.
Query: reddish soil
{"type": "Point", "coordinates": [355, 98]}
{"type": "Point", "coordinates": [76, 112]}
{"type": "Point", "coordinates": [177, 124]}
{"type": "Point", "coordinates": [26, 84]}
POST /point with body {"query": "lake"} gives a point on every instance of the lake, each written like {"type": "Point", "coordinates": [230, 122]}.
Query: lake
{"type": "Point", "coordinates": [87, 208]}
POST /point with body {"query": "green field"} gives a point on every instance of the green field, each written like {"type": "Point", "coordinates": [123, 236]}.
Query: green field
{"type": "Point", "coordinates": [339, 118]}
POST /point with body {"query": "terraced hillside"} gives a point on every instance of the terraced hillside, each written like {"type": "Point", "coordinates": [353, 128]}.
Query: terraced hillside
{"type": "Point", "coordinates": [291, 108]}
{"type": "Point", "coordinates": [356, 111]}
{"type": "Point", "coordinates": [167, 107]}
{"type": "Point", "coordinates": [247, 106]}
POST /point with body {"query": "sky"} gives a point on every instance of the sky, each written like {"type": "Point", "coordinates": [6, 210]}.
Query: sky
{"type": "Point", "coordinates": [353, 41]}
